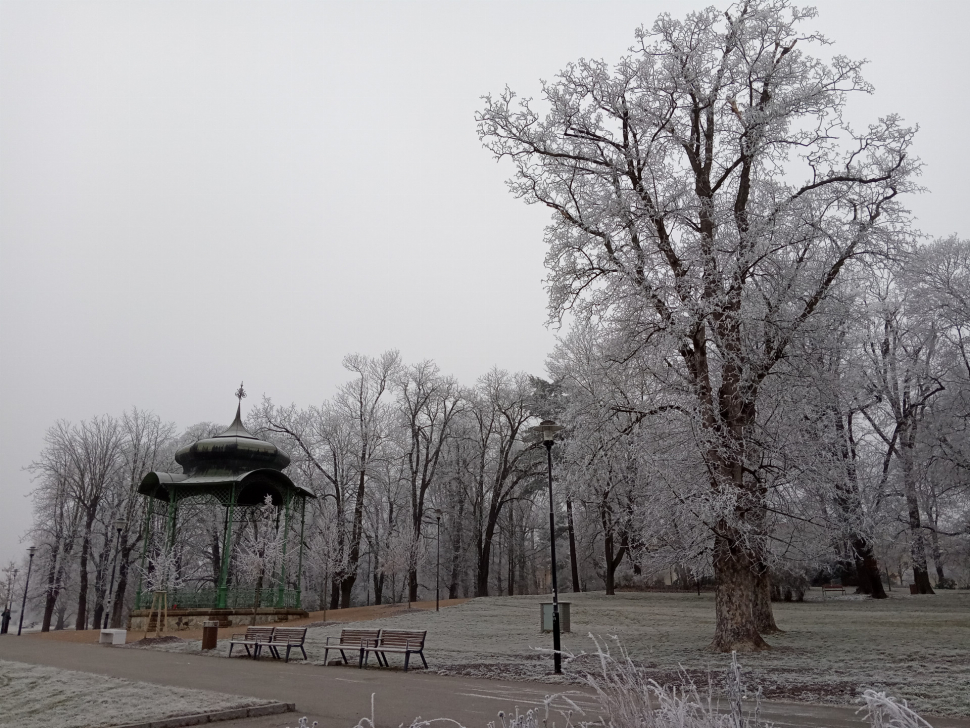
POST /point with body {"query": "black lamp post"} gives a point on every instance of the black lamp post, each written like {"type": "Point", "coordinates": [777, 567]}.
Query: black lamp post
{"type": "Point", "coordinates": [23, 604]}
{"type": "Point", "coordinates": [437, 568]}
{"type": "Point", "coordinates": [548, 429]}
{"type": "Point", "coordinates": [119, 526]}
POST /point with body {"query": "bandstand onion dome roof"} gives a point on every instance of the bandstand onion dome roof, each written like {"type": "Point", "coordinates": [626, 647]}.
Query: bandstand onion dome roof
{"type": "Point", "coordinates": [235, 449]}
{"type": "Point", "coordinates": [233, 458]}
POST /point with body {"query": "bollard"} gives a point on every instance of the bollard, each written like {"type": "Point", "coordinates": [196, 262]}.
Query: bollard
{"type": "Point", "coordinates": [210, 634]}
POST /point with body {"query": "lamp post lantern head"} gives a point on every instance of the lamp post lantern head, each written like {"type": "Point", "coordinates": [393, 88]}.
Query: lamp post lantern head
{"type": "Point", "coordinates": [437, 513]}
{"type": "Point", "coordinates": [547, 429]}
{"type": "Point", "coordinates": [31, 551]}
{"type": "Point", "coordinates": [120, 524]}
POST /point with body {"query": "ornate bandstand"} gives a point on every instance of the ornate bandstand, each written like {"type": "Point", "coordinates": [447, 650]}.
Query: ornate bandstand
{"type": "Point", "coordinates": [230, 475]}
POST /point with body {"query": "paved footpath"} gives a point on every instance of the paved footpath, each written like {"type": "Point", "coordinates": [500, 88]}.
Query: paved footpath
{"type": "Point", "coordinates": [339, 697]}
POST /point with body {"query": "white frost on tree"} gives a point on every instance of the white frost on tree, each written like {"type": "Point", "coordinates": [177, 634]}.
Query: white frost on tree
{"type": "Point", "coordinates": [260, 551]}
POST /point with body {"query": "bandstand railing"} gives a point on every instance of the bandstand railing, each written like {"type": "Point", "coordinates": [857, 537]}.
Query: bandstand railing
{"type": "Point", "coordinates": [241, 598]}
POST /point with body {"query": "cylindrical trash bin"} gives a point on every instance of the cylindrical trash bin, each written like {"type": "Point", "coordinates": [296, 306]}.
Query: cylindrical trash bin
{"type": "Point", "coordinates": [210, 634]}
{"type": "Point", "coordinates": [913, 589]}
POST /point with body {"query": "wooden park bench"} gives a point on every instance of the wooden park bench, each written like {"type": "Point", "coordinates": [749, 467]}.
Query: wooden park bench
{"type": "Point", "coordinates": [352, 639]}
{"type": "Point", "coordinates": [255, 637]}
{"type": "Point", "coordinates": [832, 587]}
{"type": "Point", "coordinates": [288, 637]}
{"type": "Point", "coordinates": [407, 642]}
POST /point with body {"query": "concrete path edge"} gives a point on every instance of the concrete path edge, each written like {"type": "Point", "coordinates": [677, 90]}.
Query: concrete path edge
{"type": "Point", "coordinates": [179, 721]}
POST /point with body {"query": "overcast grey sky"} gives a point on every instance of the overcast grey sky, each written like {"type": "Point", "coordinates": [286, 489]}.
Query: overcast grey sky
{"type": "Point", "coordinates": [198, 193]}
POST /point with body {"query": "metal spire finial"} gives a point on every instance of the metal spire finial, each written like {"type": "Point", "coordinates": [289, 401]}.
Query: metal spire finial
{"type": "Point", "coordinates": [240, 393]}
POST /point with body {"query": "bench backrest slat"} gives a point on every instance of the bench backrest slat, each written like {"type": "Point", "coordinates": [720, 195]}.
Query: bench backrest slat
{"type": "Point", "coordinates": [259, 633]}
{"type": "Point", "coordinates": [290, 634]}
{"type": "Point", "coordinates": [356, 636]}
{"type": "Point", "coordinates": [403, 638]}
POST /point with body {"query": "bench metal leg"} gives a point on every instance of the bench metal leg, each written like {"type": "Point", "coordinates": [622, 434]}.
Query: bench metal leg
{"type": "Point", "coordinates": [407, 657]}
{"type": "Point", "coordinates": [421, 655]}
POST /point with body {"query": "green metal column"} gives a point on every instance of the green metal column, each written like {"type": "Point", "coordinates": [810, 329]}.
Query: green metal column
{"type": "Point", "coordinates": [146, 538]}
{"type": "Point", "coordinates": [299, 567]}
{"type": "Point", "coordinates": [281, 594]}
{"type": "Point", "coordinates": [226, 539]}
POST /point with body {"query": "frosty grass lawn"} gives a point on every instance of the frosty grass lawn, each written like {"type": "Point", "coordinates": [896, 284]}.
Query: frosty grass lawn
{"type": "Point", "coordinates": [32, 696]}
{"type": "Point", "coordinates": [915, 648]}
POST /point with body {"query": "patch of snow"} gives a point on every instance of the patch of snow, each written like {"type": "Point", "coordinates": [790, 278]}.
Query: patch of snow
{"type": "Point", "coordinates": [34, 696]}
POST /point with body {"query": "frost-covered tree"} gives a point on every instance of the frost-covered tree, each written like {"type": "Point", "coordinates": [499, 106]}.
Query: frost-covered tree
{"type": "Point", "coordinates": [707, 193]}
{"type": "Point", "coordinates": [260, 552]}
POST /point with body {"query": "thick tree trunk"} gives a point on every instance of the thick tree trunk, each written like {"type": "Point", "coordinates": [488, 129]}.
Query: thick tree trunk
{"type": "Point", "coordinates": [734, 569]}
{"type": "Point", "coordinates": [481, 582]}
{"type": "Point", "coordinates": [346, 590]}
{"type": "Point", "coordinates": [573, 563]}
{"type": "Point", "coordinates": [485, 557]}
{"type": "Point", "coordinates": [118, 602]}
{"type": "Point", "coordinates": [335, 594]}
{"type": "Point", "coordinates": [52, 590]}
{"type": "Point", "coordinates": [612, 562]}
{"type": "Point", "coordinates": [764, 617]}
{"type": "Point", "coordinates": [97, 618]}
{"type": "Point", "coordinates": [412, 585]}
{"type": "Point", "coordinates": [80, 622]}
{"type": "Point", "coordinates": [378, 588]}
{"type": "Point", "coordinates": [937, 556]}
{"type": "Point", "coordinates": [609, 568]}
{"type": "Point", "coordinates": [917, 543]}
{"type": "Point", "coordinates": [850, 501]}
{"type": "Point", "coordinates": [870, 582]}
{"type": "Point", "coordinates": [49, 602]}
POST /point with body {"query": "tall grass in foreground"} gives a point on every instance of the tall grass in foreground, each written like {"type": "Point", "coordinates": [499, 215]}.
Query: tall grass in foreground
{"type": "Point", "coordinates": [628, 699]}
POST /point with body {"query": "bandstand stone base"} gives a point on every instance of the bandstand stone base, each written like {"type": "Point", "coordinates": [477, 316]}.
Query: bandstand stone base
{"type": "Point", "coordinates": [185, 619]}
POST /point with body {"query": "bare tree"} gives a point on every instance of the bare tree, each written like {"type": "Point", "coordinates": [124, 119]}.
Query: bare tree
{"type": "Point", "coordinates": [428, 403]}
{"type": "Point", "coordinates": [85, 459]}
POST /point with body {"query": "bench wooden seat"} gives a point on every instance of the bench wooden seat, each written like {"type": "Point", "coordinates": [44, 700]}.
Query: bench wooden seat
{"type": "Point", "coordinates": [352, 639]}
{"type": "Point", "coordinates": [254, 637]}
{"type": "Point", "coordinates": [832, 587]}
{"type": "Point", "coordinates": [406, 642]}
{"type": "Point", "coordinates": [288, 637]}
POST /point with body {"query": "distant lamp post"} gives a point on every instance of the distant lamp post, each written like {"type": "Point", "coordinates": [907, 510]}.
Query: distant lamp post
{"type": "Point", "coordinates": [23, 604]}
{"type": "Point", "coordinates": [119, 527]}
{"type": "Point", "coordinates": [437, 568]}
{"type": "Point", "coordinates": [547, 429]}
